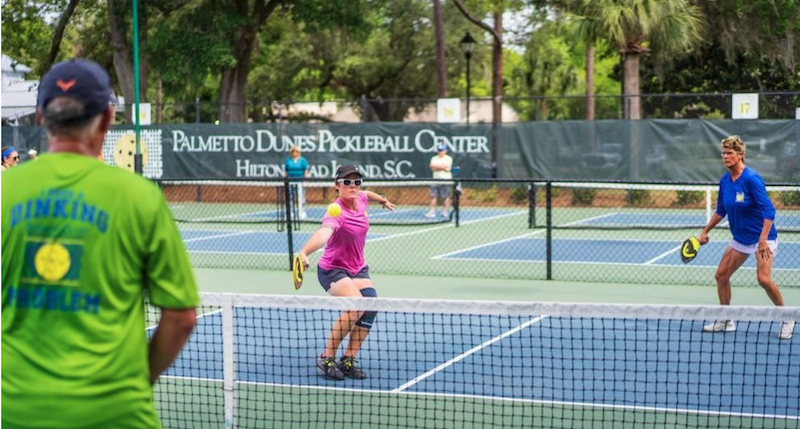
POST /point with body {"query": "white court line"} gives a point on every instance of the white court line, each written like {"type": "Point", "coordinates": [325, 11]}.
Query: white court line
{"type": "Point", "coordinates": [489, 244]}
{"type": "Point", "coordinates": [210, 237]}
{"type": "Point", "coordinates": [530, 234]}
{"type": "Point", "coordinates": [449, 225]}
{"type": "Point", "coordinates": [614, 264]}
{"type": "Point", "coordinates": [501, 398]}
{"type": "Point", "coordinates": [261, 212]}
{"type": "Point", "coordinates": [662, 256]}
{"type": "Point", "coordinates": [386, 212]}
{"type": "Point", "coordinates": [419, 378]}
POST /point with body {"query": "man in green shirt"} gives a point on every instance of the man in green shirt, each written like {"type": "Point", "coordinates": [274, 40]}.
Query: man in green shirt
{"type": "Point", "coordinates": [82, 241]}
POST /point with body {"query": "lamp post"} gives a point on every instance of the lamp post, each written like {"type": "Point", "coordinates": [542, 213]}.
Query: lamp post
{"type": "Point", "coordinates": [467, 44]}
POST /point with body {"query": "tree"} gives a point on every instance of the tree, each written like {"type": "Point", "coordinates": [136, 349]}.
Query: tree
{"type": "Point", "coordinates": [118, 13]}
{"type": "Point", "coordinates": [768, 28]}
{"type": "Point", "coordinates": [441, 62]}
{"type": "Point", "coordinates": [388, 58]}
{"type": "Point", "coordinates": [27, 35]}
{"type": "Point", "coordinates": [55, 47]}
{"type": "Point", "coordinates": [496, 33]}
{"type": "Point", "coordinates": [637, 27]}
{"type": "Point", "coordinates": [546, 69]}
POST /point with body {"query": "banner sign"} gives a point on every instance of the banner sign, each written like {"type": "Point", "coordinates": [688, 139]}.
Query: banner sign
{"type": "Point", "coordinates": [383, 151]}
{"type": "Point", "coordinates": [646, 150]}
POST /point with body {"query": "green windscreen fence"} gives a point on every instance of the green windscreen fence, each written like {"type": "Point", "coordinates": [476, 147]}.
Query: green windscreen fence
{"type": "Point", "coordinates": [637, 151]}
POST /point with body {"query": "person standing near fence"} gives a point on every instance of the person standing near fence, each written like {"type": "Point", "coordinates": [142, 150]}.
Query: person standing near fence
{"type": "Point", "coordinates": [743, 199]}
{"type": "Point", "coordinates": [441, 165]}
{"type": "Point", "coordinates": [82, 243]}
{"type": "Point", "coordinates": [343, 271]}
{"type": "Point", "coordinates": [296, 167]}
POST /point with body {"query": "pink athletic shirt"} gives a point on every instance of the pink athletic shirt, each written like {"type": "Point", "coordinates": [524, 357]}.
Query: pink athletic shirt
{"type": "Point", "coordinates": [345, 248]}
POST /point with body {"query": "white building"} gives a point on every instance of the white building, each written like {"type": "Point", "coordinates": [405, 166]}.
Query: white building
{"type": "Point", "coordinates": [18, 95]}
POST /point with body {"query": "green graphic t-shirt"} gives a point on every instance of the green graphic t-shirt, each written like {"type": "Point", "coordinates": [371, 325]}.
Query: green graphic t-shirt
{"type": "Point", "coordinates": [81, 241]}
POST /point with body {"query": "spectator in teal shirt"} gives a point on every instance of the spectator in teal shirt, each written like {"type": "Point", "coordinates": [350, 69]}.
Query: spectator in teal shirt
{"type": "Point", "coordinates": [296, 167]}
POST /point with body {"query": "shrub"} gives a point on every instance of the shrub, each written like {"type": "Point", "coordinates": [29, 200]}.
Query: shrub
{"type": "Point", "coordinates": [640, 197]}
{"type": "Point", "coordinates": [583, 197]}
{"type": "Point", "coordinates": [687, 198]}
{"type": "Point", "coordinates": [519, 194]}
{"type": "Point", "coordinates": [790, 198]}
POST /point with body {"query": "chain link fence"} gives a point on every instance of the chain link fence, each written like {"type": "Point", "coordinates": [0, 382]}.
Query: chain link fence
{"type": "Point", "coordinates": [513, 229]}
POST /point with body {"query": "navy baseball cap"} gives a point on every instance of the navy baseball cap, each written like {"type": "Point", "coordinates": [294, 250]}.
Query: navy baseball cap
{"type": "Point", "coordinates": [82, 80]}
{"type": "Point", "coordinates": [441, 146]}
{"type": "Point", "coordinates": [347, 170]}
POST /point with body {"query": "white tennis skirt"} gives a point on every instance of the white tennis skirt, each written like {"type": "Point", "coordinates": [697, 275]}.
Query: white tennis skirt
{"type": "Point", "coordinates": [749, 249]}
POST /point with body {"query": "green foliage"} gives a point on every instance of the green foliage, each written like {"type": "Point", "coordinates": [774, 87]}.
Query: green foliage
{"type": "Point", "coordinates": [640, 197]}
{"type": "Point", "coordinates": [758, 28]}
{"type": "Point", "coordinates": [790, 198]}
{"type": "Point", "coordinates": [583, 197]}
{"type": "Point", "coordinates": [191, 44]}
{"type": "Point", "coordinates": [547, 68]}
{"type": "Point", "coordinates": [687, 198]}
{"type": "Point", "coordinates": [26, 36]}
{"type": "Point", "coordinates": [489, 195]}
{"type": "Point", "coordinates": [519, 194]}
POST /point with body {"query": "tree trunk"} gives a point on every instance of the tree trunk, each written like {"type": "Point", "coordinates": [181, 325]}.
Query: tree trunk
{"type": "Point", "coordinates": [159, 101]}
{"type": "Point", "coordinates": [441, 62]}
{"type": "Point", "coordinates": [497, 86]}
{"type": "Point", "coordinates": [497, 70]}
{"type": "Point", "coordinates": [631, 85]}
{"type": "Point", "coordinates": [122, 57]}
{"type": "Point", "coordinates": [590, 81]}
{"type": "Point", "coordinates": [55, 46]}
{"type": "Point", "coordinates": [233, 87]}
{"type": "Point", "coordinates": [233, 84]}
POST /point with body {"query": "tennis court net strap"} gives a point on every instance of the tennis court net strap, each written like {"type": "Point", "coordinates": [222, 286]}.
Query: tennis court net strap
{"type": "Point", "coordinates": [251, 363]}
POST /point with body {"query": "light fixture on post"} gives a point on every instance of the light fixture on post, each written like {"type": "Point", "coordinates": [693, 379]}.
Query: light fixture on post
{"type": "Point", "coordinates": [467, 44]}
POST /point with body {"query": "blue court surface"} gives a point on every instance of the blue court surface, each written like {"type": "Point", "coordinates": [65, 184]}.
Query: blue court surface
{"type": "Point", "coordinates": [667, 365]}
{"type": "Point", "coordinates": [627, 252]}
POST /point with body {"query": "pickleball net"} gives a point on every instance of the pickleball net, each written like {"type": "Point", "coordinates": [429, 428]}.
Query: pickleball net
{"type": "Point", "coordinates": [453, 364]}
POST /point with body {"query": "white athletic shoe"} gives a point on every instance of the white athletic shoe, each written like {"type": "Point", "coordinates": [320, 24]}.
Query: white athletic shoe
{"type": "Point", "coordinates": [303, 216]}
{"type": "Point", "coordinates": [445, 214]}
{"type": "Point", "coordinates": [787, 330]}
{"type": "Point", "coordinates": [720, 326]}
{"type": "Point", "coordinates": [430, 215]}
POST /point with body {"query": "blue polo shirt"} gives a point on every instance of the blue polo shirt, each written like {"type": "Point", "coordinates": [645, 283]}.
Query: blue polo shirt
{"type": "Point", "coordinates": [746, 203]}
{"type": "Point", "coordinates": [296, 169]}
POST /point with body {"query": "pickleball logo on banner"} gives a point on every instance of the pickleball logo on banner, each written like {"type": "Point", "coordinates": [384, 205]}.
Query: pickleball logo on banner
{"type": "Point", "coordinates": [52, 262]}
{"type": "Point", "coordinates": [125, 149]}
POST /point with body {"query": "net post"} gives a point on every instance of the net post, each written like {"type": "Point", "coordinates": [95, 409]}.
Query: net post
{"type": "Point", "coordinates": [457, 202]}
{"type": "Point", "coordinates": [288, 208]}
{"type": "Point", "coordinates": [531, 205]}
{"type": "Point", "coordinates": [708, 204]}
{"type": "Point", "coordinates": [279, 211]}
{"type": "Point", "coordinates": [228, 364]}
{"type": "Point", "coordinates": [198, 194]}
{"type": "Point", "coordinates": [549, 239]}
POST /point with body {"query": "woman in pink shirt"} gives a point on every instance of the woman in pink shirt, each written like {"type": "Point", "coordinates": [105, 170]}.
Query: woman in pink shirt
{"type": "Point", "coordinates": [342, 270]}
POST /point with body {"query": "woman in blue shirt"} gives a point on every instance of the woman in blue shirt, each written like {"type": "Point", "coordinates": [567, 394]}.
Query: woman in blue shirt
{"type": "Point", "coordinates": [743, 198]}
{"type": "Point", "coordinates": [297, 168]}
